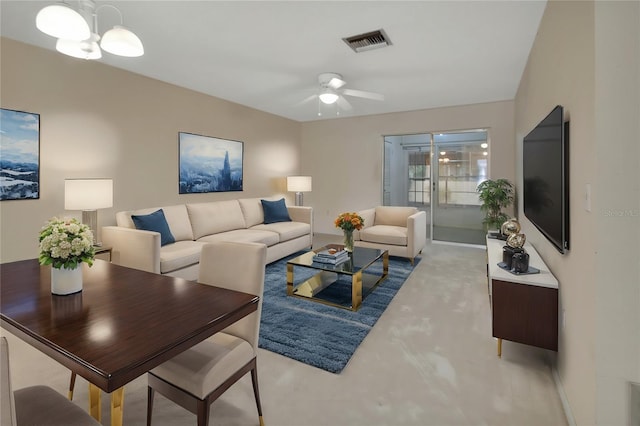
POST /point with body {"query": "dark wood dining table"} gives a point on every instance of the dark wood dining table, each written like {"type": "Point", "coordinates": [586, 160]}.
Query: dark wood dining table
{"type": "Point", "coordinates": [123, 323]}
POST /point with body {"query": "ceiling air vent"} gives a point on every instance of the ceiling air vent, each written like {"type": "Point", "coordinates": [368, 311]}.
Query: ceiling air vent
{"type": "Point", "coordinates": [368, 41]}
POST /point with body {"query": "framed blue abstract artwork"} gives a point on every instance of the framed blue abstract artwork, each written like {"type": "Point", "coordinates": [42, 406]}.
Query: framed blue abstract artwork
{"type": "Point", "coordinates": [209, 164]}
{"type": "Point", "coordinates": [19, 155]}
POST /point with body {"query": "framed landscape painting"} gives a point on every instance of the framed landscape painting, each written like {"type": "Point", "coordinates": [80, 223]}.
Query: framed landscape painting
{"type": "Point", "coordinates": [19, 155]}
{"type": "Point", "coordinates": [209, 164]}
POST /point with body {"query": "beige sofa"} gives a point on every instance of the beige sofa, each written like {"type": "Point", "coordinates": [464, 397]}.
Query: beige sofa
{"type": "Point", "coordinates": [194, 225]}
{"type": "Point", "coordinates": [400, 230]}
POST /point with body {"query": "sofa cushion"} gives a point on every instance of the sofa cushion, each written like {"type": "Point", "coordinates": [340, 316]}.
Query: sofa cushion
{"type": "Point", "coordinates": [176, 216]}
{"type": "Point", "coordinates": [215, 217]}
{"type": "Point", "coordinates": [154, 222]}
{"type": "Point", "coordinates": [244, 236]}
{"type": "Point", "coordinates": [286, 230]}
{"type": "Point", "coordinates": [385, 234]}
{"type": "Point", "coordinates": [275, 211]}
{"type": "Point", "coordinates": [394, 216]}
{"type": "Point", "coordinates": [252, 211]}
{"type": "Point", "coordinates": [179, 255]}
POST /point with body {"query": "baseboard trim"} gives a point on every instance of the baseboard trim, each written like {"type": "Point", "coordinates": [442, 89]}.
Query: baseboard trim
{"type": "Point", "coordinates": [563, 397]}
{"type": "Point", "coordinates": [453, 243]}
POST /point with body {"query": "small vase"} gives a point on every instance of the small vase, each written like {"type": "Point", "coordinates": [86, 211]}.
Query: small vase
{"type": "Point", "coordinates": [66, 281]}
{"type": "Point", "coordinates": [348, 240]}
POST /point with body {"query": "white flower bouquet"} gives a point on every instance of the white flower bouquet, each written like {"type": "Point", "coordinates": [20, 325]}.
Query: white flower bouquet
{"type": "Point", "coordinates": [65, 244]}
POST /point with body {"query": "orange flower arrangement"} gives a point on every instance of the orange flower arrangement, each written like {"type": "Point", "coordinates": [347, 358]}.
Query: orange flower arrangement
{"type": "Point", "coordinates": [349, 221]}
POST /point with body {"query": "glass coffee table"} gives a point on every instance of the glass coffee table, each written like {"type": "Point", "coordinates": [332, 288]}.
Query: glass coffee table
{"type": "Point", "coordinates": [344, 285]}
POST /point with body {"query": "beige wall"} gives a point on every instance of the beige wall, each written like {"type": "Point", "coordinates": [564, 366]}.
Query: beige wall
{"type": "Point", "coordinates": [344, 156]}
{"type": "Point", "coordinates": [582, 50]}
{"type": "Point", "coordinates": [99, 121]}
{"type": "Point", "coordinates": [617, 76]}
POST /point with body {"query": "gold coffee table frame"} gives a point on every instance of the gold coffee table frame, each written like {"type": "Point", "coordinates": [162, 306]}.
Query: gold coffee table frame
{"type": "Point", "coordinates": [362, 283]}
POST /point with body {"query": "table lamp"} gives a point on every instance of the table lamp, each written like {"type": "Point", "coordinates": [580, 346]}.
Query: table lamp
{"type": "Point", "coordinates": [88, 195]}
{"type": "Point", "coordinates": [299, 184]}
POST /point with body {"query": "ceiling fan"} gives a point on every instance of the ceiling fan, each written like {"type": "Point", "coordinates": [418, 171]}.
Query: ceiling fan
{"type": "Point", "coordinates": [331, 91]}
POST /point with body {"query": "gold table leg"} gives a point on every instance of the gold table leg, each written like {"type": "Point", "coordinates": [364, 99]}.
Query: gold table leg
{"type": "Point", "coordinates": [500, 347]}
{"type": "Point", "coordinates": [289, 280]}
{"type": "Point", "coordinates": [356, 291]}
{"type": "Point", "coordinates": [95, 404]}
{"type": "Point", "coordinates": [117, 404]}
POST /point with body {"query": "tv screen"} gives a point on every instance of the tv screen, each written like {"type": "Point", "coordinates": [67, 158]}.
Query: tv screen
{"type": "Point", "coordinates": [546, 178]}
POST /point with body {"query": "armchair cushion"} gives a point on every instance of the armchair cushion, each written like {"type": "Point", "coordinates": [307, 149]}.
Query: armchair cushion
{"type": "Point", "coordinates": [275, 211]}
{"type": "Point", "coordinates": [385, 234]}
{"type": "Point", "coordinates": [155, 222]}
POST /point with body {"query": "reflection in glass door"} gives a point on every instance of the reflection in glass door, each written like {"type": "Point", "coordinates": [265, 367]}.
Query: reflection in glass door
{"type": "Point", "coordinates": [461, 165]}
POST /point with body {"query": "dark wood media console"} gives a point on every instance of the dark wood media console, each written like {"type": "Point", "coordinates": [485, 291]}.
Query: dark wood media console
{"type": "Point", "coordinates": [524, 307]}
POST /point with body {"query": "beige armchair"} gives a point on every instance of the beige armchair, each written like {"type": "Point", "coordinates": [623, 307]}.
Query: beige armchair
{"type": "Point", "coordinates": [198, 376]}
{"type": "Point", "coordinates": [400, 230]}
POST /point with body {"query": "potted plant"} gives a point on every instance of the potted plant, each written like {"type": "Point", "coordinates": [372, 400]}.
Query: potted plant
{"type": "Point", "coordinates": [65, 245]}
{"type": "Point", "coordinates": [495, 196]}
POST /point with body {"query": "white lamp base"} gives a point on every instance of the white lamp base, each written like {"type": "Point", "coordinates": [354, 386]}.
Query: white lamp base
{"type": "Point", "coordinates": [299, 198]}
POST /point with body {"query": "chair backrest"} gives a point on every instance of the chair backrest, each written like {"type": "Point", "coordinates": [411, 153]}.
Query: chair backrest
{"type": "Point", "coordinates": [236, 266]}
{"type": "Point", "coordinates": [392, 215]}
{"type": "Point", "coordinates": [7, 406]}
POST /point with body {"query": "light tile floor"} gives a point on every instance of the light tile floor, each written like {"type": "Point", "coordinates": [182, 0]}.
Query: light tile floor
{"type": "Point", "coordinates": [430, 360]}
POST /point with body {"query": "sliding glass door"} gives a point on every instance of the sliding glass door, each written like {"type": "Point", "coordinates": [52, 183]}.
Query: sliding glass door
{"type": "Point", "coordinates": [438, 173]}
{"type": "Point", "coordinates": [460, 166]}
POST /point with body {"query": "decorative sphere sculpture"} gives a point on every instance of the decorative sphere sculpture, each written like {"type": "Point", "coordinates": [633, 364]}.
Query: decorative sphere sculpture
{"type": "Point", "coordinates": [516, 240]}
{"type": "Point", "coordinates": [511, 226]}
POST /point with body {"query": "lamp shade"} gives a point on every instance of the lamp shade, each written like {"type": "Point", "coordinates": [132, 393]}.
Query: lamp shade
{"type": "Point", "coordinates": [88, 194]}
{"type": "Point", "coordinates": [120, 41]}
{"type": "Point", "coordinates": [299, 183]}
{"type": "Point", "coordinates": [61, 21]}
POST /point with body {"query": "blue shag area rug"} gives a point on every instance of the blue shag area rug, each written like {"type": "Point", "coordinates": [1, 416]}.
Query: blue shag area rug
{"type": "Point", "coordinates": [320, 335]}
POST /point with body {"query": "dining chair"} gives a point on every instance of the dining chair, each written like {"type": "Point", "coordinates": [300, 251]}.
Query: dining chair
{"type": "Point", "coordinates": [35, 405]}
{"type": "Point", "coordinates": [201, 374]}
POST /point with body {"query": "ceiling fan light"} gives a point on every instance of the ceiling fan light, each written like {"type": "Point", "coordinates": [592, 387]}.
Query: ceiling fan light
{"type": "Point", "coordinates": [61, 21]}
{"type": "Point", "coordinates": [328, 97]}
{"type": "Point", "coordinates": [122, 42]}
{"type": "Point", "coordinates": [86, 49]}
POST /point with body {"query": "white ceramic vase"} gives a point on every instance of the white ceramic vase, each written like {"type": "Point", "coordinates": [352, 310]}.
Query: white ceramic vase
{"type": "Point", "coordinates": [66, 281]}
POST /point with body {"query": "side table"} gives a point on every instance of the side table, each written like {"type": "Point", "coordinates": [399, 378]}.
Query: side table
{"type": "Point", "coordinates": [102, 252]}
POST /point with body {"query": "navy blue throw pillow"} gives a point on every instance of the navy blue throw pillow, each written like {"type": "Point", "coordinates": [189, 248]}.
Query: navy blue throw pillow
{"type": "Point", "coordinates": [155, 222]}
{"type": "Point", "coordinates": [275, 211]}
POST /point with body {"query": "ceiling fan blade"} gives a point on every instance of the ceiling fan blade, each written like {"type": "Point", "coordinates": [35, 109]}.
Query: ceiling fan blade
{"type": "Point", "coordinates": [336, 83]}
{"type": "Point", "coordinates": [307, 99]}
{"type": "Point", "coordinates": [363, 94]}
{"type": "Point", "coordinates": [344, 104]}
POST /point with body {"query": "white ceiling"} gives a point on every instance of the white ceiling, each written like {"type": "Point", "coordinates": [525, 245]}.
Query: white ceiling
{"type": "Point", "coordinates": [267, 54]}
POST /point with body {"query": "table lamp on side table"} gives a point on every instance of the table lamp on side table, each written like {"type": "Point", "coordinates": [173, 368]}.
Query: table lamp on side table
{"type": "Point", "coordinates": [299, 184]}
{"type": "Point", "coordinates": [88, 195]}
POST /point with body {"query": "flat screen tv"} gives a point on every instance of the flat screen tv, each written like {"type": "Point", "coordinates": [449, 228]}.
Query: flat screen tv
{"type": "Point", "coordinates": [545, 169]}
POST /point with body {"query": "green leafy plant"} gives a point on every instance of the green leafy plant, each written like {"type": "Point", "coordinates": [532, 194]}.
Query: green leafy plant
{"type": "Point", "coordinates": [65, 244]}
{"type": "Point", "coordinates": [495, 196]}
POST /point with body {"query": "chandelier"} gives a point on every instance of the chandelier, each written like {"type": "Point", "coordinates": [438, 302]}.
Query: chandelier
{"type": "Point", "coordinates": [79, 37]}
